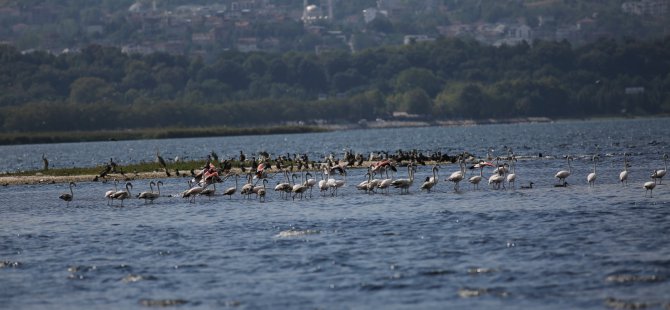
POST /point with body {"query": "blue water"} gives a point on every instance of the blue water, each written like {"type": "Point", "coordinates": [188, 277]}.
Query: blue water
{"type": "Point", "coordinates": [541, 248]}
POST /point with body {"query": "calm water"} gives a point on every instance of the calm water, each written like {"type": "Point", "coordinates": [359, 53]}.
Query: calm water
{"type": "Point", "coordinates": [540, 248]}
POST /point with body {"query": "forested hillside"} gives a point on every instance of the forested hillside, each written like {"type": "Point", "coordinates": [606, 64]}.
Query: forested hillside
{"type": "Point", "coordinates": [101, 88]}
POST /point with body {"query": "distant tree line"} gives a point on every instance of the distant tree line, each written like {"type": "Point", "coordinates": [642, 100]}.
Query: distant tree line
{"type": "Point", "coordinates": [102, 88]}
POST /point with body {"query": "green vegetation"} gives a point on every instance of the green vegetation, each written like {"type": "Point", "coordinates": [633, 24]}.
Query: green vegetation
{"type": "Point", "coordinates": [103, 89]}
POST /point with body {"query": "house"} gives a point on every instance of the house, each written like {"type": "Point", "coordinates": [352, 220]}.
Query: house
{"type": "Point", "coordinates": [393, 7]}
{"type": "Point", "coordinates": [203, 38]}
{"type": "Point", "coordinates": [515, 34]}
{"type": "Point", "coordinates": [646, 7]}
{"type": "Point", "coordinates": [371, 14]}
{"type": "Point", "coordinates": [453, 31]}
{"type": "Point", "coordinates": [635, 90]}
{"type": "Point", "coordinates": [417, 38]}
{"type": "Point", "coordinates": [246, 45]}
{"type": "Point", "coordinates": [136, 49]}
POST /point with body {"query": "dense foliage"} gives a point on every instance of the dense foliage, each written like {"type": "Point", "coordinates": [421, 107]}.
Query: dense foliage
{"type": "Point", "coordinates": [102, 88]}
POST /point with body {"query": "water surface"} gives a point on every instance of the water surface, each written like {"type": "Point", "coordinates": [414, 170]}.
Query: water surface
{"type": "Point", "coordinates": [540, 248]}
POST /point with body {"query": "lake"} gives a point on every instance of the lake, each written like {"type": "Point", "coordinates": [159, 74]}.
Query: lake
{"type": "Point", "coordinates": [548, 247]}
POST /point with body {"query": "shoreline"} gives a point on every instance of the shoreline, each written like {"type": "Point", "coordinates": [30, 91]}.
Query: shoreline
{"type": "Point", "coordinates": [288, 128]}
{"type": "Point", "coordinates": [201, 132]}
{"type": "Point", "coordinates": [39, 178]}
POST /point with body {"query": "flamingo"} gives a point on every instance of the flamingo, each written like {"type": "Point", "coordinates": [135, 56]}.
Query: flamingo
{"type": "Point", "coordinates": [231, 190]}
{"type": "Point", "coordinates": [372, 183]}
{"type": "Point", "coordinates": [649, 186]}
{"type": "Point", "coordinates": [563, 174]}
{"type": "Point", "coordinates": [511, 177]}
{"type": "Point", "coordinates": [430, 181]}
{"type": "Point", "coordinates": [660, 173]}
{"type": "Point", "coordinates": [591, 178]}
{"type": "Point", "coordinates": [436, 173]}
{"type": "Point", "coordinates": [386, 183]}
{"type": "Point", "coordinates": [284, 188]}
{"type": "Point", "coordinates": [257, 188]}
{"type": "Point", "coordinates": [623, 176]}
{"type": "Point", "coordinates": [459, 175]}
{"type": "Point", "coordinates": [192, 192]}
{"type": "Point", "coordinates": [310, 182]}
{"type": "Point", "coordinates": [404, 184]}
{"type": "Point", "coordinates": [67, 197]}
{"type": "Point", "coordinates": [209, 192]}
{"type": "Point", "coordinates": [150, 195]}
{"type": "Point", "coordinates": [323, 183]}
{"type": "Point", "coordinates": [109, 193]}
{"type": "Point", "coordinates": [497, 179]}
{"type": "Point", "coordinates": [363, 186]}
{"type": "Point", "coordinates": [247, 189]}
{"type": "Point", "coordinates": [478, 178]}
{"type": "Point", "coordinates": [336, 184]}
{"type": "Point", "coordinates": [261, 192]}
{"type": "Point", "coordinates": [298, 188]}
{"type": "Point", "coordinates": [190, 185]}
{"type": "Point", "coordinates": [123, 195]}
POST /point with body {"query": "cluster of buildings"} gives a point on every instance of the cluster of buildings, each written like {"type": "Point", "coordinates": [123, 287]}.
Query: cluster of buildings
{"type": "Point", "coordinates": [646, 7]}
{"type": "Point", "coordinates": [271, 25]}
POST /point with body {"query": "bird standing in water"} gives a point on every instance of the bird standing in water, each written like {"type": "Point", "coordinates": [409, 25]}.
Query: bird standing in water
{"type": "Point", "coordinates": [68, 196]}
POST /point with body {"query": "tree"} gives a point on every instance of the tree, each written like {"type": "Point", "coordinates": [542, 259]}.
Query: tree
{"type": "Point", "coordinates": [88, 90]}
{"type": "Point", "coordinates": [417, 101]}
{"type": "Point", "coordinates": [421, 78]}
{"type": "Point", "coordinates": [312, 76]}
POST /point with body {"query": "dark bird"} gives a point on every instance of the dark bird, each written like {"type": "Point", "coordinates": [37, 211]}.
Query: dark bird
{"type": "Point", "coordinates": [254, 164]}
{"type": "Point", "coordinates": [530, 185]}
{"type": "Point", "coordinates": [338, 169]}
{"type": "Point", "coordinates": [162, 163]}
{"type": "Point", "coordinates": [107, 170]}
{"type": "Point", "coordinates": [68, 196]}
{"type": "Point", "coordinates": [46, 162]}
{"type": "Point", "coordinates": [113, 164]}
{"type": "Point", "coordinates": [242, 157]}
{"type": "Point", "coordinates": [215, 156]}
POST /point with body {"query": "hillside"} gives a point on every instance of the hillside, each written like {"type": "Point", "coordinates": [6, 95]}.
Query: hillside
{"type": "Point", "coordinates": [205, 27]}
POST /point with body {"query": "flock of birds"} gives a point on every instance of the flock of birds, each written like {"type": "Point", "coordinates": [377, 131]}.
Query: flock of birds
{"type": "Point", "coordinates": [380, 176]}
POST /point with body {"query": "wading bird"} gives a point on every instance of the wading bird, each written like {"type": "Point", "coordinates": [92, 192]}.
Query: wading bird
{"type": "Point", "coordinates": [591, 178]}
{"type": "Point", "coordinates": [68, 196]}
{"type": "Point", "coordinates": [151, 196]}
{"type": "Point", "coordinates": [660, 173]}
{"type": "Point", "coordinates": [623, 176]}
{"type": "Point", "coordinates": [649, 186]}
{"type": "Point", "coordinates": [162, 163]}
{"type": "Point", "coordinates": [110, 193]}
{"type": "Point", "coordinates": [430, 181]}
{"type": "Point", "coordinates": [123, 195]}
{"type": "Point", "coordinates": [404, 184]}
{"type": "Point", "coordinates": [564, 174]}
{"type": "Point", "coordinates": [231, 190]}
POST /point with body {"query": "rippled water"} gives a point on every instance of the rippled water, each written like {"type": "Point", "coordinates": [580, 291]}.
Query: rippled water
{"type": "Point", "coordinates": [540, 248]}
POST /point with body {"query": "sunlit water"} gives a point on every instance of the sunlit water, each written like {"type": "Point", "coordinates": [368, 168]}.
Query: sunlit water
{"type": "Point", "coordinates": [540, 248]}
